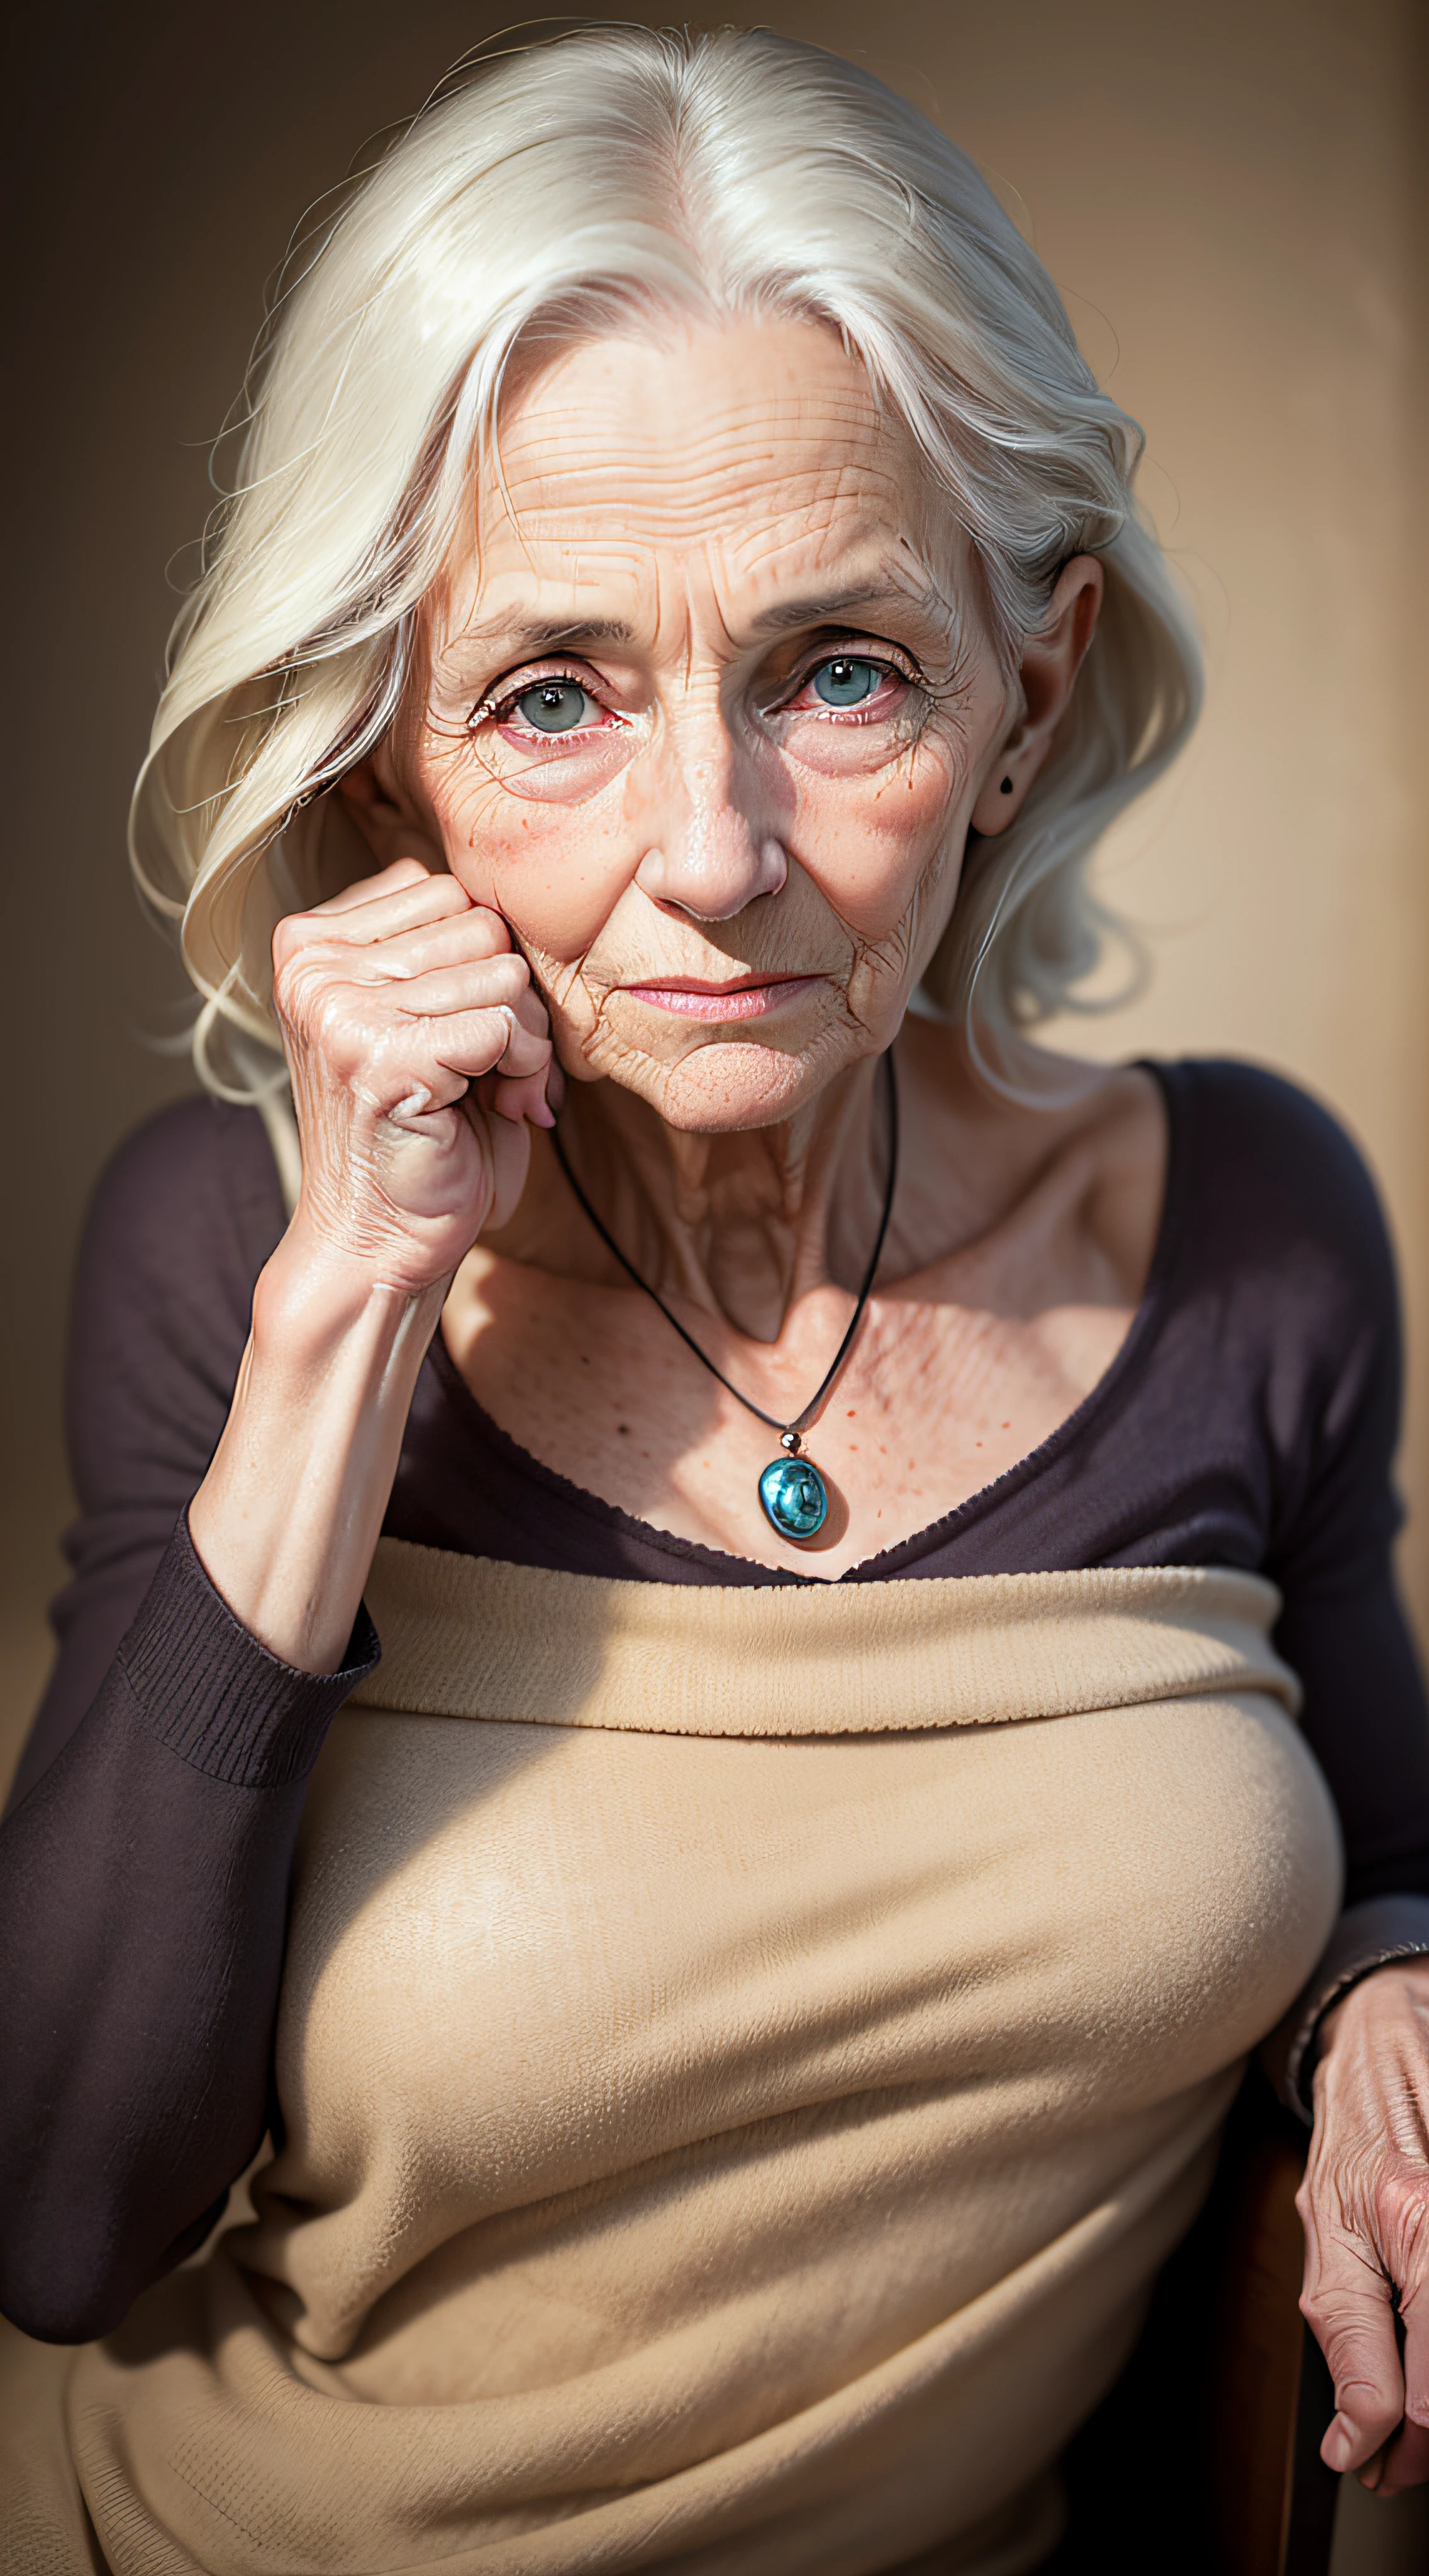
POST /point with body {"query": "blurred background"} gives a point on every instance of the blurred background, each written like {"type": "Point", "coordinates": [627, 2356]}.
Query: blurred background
{"type": "Point", "coordinates": [1231, 197]}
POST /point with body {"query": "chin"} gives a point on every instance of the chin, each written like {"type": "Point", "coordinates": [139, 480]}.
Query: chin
{"type": "Point", "coordinates": [734, 1084]}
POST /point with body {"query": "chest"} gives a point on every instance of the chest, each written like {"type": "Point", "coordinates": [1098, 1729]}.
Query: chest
{"type": "Point", "coordinates": [762, 1933]}
{"type": "Point", "coordinates": [531, 1962]}
{"type": "Point", "coordinates": [939, 1396]}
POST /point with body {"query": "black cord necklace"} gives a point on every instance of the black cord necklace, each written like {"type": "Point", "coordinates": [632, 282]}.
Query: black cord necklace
{"type": "Point", "coordinates": [792, 1493]}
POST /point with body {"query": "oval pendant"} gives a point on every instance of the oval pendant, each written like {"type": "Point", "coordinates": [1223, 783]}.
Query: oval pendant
{"type": "Point", "coordinates": [795, 1498]}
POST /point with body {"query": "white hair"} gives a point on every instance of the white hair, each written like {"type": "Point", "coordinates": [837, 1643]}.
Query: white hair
{"type": "Point", "coordinates": [559, 192]}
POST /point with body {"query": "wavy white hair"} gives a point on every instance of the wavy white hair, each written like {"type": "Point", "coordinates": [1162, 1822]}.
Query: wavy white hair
{"type": "Point", "coordinates": [557, 193]}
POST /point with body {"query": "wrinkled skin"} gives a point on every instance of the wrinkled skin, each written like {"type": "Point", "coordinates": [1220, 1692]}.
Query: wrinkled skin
{"type": "Point", "coordinates": [1365, 2207]}
{"type": "Point", "coordinates": [393, 999]}
{"type": "Point", "coordinates": [710, 820]}
{"type": "Point", "coordinates": [702, 522]}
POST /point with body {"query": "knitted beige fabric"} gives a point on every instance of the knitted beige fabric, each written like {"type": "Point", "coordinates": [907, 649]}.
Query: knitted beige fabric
{"type": "Point", "coordinates": [744, 2055]}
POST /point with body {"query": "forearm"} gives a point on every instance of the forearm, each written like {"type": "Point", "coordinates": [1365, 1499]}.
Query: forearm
{"type": "Point", "coordinates": [394, 998]}
{"type": "Point", "coordinates": [143, 1895]}
{"type": "Point", "coordinates": [289, 1513]}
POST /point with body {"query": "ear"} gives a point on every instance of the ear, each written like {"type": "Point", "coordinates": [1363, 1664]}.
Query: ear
{"type": "Point", "coordinates": [389, 819]}
{"type": "Point", "coordinates": [1050, 665]}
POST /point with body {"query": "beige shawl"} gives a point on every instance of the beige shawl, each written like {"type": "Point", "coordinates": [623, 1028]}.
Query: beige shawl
{"type": "Point", "coordinates": [744, 2055]}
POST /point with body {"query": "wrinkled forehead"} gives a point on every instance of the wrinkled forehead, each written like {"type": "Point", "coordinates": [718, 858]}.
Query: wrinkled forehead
{"type": "Point", "coordinates": [743, 456]}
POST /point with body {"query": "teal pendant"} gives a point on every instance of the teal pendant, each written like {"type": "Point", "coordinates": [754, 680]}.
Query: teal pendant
{"type": "Point", "coordinates": [795, 1498]}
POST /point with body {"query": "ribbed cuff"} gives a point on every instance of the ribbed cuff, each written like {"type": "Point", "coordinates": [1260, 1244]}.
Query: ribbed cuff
{"type": "Point", "coordinates": [1367, 1936]}
{"type": "Point", "coordinates": [207, 1689]}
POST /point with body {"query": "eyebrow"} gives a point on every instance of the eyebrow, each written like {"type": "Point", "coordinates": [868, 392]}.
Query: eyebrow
{"type": "Point", "coordinates": [569, 634]}
{"type": "Point", "coordinates": [827, 609]}
{"type": "Point", "coordinates": [552, 634]}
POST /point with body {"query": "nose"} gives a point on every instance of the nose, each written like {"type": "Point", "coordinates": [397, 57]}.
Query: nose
{"type": "Point", "coordinates": [712, 848]}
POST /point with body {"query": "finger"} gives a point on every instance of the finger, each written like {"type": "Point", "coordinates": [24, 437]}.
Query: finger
{"type": "Point", "coordinates": [1351, 2312]}
{"type": "Point", "coordinates": [445, 997]}
{"type": "Point", "coordinates": [476, 1042]}
{"type": "Point", "coordinates": [1407, 2459]}
{"type": "Point", "coordinates": [402, 872]}
{"type": "Point", "coordinates": [509, 1151]}
{"type": "Point", "coordinates": [1406, 2462]}
{"type": "Point", "coordinates": [516, 1099]}
{"type": "Point", "coordinates": [423, 1066]}
{"type": "Point", "coordinates": [302, 942]}
{"type": "Point", "coordinates": [482, 985]}
{"type": "Point", "coordinates": [374, 911]}
{"type": "Point", "coordinates": [453, 940]}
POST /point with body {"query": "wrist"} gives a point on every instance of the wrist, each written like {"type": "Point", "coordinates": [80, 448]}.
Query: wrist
{"type": "Point", "coordinates": [1391, 1985]}
{"type": "Point", "coordinates": [287, 1517]}
{"type": "Point", "coordinates": [312, 1296]}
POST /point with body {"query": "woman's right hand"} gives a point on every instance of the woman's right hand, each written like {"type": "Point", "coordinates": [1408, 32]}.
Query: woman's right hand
{"type": "Point", "coordinates": [418, 1051]}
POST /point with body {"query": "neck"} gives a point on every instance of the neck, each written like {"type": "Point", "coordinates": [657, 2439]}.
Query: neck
{"type": "Point", "coordinates": [737, 1226]}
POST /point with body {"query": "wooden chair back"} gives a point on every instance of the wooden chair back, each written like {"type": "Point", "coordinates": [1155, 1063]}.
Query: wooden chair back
{"type": "Point", "coordinates": [1205, 2455]}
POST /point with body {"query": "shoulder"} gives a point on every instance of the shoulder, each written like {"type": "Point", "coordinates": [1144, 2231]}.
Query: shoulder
{"type": "Point", "coordinates": [1267, 1169]}
{"type": "Point", "coordinates": [198, 1145]}
{"type": "Point", "coordinates": [1259, 1119]}
{"type": "Point", "coordinates": [194, 1187]}
{"type": "Point", "coordinates": [1276, 1240]}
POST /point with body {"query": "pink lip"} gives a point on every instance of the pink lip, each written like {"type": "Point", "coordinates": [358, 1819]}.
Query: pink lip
{"type": "Point", "coordinates": [736, 1002]}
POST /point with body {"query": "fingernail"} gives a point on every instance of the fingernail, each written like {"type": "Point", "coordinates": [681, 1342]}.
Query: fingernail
{"type": "Point", "coordinates": [540, 1116]}
{"type": "Point", "coordinates": [1337, 2445]}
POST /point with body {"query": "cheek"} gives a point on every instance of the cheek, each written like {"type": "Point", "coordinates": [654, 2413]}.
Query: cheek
{"type": "Point", "coordinates": [554, 871]}
{"type": "Point", "coordinates": [868, 842]}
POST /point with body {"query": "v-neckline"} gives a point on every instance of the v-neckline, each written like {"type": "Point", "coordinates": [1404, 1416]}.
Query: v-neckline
{"type": "Point", "coordinates": [899, 1558]}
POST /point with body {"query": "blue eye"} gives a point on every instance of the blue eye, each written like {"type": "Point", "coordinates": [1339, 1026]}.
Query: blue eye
{"type": "Point", "coordinates": [556, 706]}
{"type": "Point", "coordinates": [846, 681]}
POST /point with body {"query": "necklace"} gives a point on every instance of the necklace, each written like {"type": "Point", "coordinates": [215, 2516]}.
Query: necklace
{"type": "Point", "coordinates": [792, 1493]}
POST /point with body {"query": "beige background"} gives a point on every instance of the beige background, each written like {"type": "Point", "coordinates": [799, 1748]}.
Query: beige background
{"type": "Point", "coordinates": [1227, 195]}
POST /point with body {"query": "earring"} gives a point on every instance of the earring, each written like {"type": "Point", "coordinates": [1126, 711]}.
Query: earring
{"type": "Point", "coordinates": [1007, 787]}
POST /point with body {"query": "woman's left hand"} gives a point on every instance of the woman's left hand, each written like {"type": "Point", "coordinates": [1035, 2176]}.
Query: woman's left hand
{"type": "Point", "coordinates": [1364, 2204]}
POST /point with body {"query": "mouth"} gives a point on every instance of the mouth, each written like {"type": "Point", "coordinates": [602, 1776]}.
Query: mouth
{"type": "Point", "coordinates": [749, 999]}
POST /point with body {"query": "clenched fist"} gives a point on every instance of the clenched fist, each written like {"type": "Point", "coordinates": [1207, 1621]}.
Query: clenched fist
{"type": "Point", "coordinates": [418, 1051]}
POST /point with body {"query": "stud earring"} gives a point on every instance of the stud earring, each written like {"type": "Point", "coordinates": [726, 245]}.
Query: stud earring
{"type": "Point", "coordinates": [1007, 787]}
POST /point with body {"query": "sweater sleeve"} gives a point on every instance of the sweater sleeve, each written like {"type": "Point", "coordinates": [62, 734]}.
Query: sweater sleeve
{"type": "Point", "coordinates": [145, 1858]}
{"type": "Point", "coordinates": [1333, 1419]}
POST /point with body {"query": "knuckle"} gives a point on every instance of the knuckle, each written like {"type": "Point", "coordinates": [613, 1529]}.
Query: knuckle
{"type": "Point", "coordinates": [1323, 2313]}
{"type": "Point", "coordinates": [329, 1019]}
{"type": "Point", "coordinates": [1400, 2200]}
{"type": "Point", "coordinates": [1343, 2318]}
{"type": "Point", "coordinates": [288, 989]}
{"type": "Point", "coordinates": [295, 931]}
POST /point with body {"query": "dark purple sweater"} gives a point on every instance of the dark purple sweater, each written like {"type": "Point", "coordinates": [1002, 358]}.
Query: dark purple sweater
{"type": "Point", "coordinates": [1249, 1420]}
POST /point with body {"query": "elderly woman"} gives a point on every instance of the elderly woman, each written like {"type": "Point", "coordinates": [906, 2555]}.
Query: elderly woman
{"type": "Point", "coordinates": [745, 1992]}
